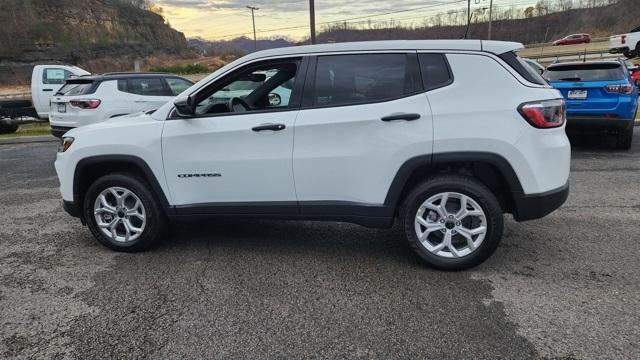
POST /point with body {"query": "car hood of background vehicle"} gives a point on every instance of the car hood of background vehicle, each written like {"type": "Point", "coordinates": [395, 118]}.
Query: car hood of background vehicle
{"type": "Point", "coordinates": [124, 121]}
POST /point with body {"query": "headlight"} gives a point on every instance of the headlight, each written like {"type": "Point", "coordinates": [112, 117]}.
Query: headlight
{"type": "Point", "coordinates": [66, 144]}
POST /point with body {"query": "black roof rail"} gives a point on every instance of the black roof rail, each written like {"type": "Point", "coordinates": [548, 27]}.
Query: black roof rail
{"type": "Point", "coordinates": [136, 73]}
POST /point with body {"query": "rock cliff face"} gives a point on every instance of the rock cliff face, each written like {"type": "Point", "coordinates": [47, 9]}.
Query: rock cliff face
{"type": "Point", "coordinates": [68, 30]}
{"type": "Point", "coordinates": [77, 31]}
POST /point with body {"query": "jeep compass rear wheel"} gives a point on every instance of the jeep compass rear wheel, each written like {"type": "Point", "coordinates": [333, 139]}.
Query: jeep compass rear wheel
{"type": "Point", "coordinates": [452, 222]}
{"type": "Point", "coordinates": [122, 214]}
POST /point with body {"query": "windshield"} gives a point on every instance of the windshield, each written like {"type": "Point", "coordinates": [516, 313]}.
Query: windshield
{"type": "Point", "coordinates": [586, 72]}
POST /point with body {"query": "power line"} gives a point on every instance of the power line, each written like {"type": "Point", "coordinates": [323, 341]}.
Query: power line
{"type": "Point", "coordinates": [350, 19]}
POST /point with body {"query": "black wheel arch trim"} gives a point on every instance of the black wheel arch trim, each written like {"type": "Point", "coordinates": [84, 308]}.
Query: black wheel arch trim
{"type": "Point", "coordinates": [75, 207]}
{"type": "Point", "coordinates": [414, 164]}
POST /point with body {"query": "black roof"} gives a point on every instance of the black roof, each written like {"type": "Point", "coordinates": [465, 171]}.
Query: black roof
{"type": "Point", "coordinates": [124, 75]}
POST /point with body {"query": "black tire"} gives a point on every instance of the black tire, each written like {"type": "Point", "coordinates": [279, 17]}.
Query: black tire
{"type": "Point", "coordinates": [629, 54]}
{"type": "Point", "coordinates": [155, 217]}
{"type": "Point", "coordinates": [625, 138]}
{"type": "Point", "coordinates": [8, 129]}
{"type": "Point", "coordinates": [463, 185]}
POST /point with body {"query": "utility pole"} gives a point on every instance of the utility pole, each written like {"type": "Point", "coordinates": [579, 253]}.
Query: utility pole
{"type": "Point", "coordinates": [253, 19]}
{"type": "Point", "coordinates": [468, 14]}
{"type": "Point", "coordinates": [312, 20]}
{"type": "Point", "coordinates": [490, 19]}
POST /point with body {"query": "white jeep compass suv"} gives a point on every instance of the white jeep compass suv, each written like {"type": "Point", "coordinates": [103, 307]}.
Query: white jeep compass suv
{"type": "Point", "coordinates": [86, 100]}
{"type": "Point", "coordinates": [445, 136]}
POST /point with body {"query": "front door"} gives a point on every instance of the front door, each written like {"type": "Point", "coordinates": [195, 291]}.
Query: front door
{"type": "Point", "coordinates": [234, 156]}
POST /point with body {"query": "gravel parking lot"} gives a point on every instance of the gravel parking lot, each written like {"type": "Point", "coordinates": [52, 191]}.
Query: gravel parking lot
{"type": "Point", "coordinates": [567, 286]}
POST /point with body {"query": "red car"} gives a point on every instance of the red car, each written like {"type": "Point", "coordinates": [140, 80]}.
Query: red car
{"type": "Point", "coordinates": [635, 77]}
{"type": "Point", "coordinates": [573, 39]}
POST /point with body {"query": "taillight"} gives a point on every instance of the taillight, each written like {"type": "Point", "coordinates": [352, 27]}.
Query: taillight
{"type": "Point", "coordinates": [544, 114]}
{"type": "Point", "coordinates": [620, 89]}
{"type": "Point", "coordinates": [623, 39]}
{"type": "Point", "coordinates": [85, 104]}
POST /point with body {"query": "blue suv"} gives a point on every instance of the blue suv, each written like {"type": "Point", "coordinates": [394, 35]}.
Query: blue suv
{"type": "Point", "coordinates": [600, 96]}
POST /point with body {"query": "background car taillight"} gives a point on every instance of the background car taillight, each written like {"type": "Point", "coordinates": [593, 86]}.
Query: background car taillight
{"type": "Point", "coordinates": [620, 89]}
{"type": "Point", "coordinates": [85, 104]}
{"type": "Point", "coordinates": [544, 114]}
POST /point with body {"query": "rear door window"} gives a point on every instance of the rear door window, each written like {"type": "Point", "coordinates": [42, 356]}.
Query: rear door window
{"type": "Point", "coordinates": [147, 87]}
{"type": "Point", "coordinates": [585, 72]}
{"type": "Point", "coordinates": [362, 78]}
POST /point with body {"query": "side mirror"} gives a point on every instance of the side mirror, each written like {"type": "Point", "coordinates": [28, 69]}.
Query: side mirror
{"type": "Point", "coordinates": [184, 106]}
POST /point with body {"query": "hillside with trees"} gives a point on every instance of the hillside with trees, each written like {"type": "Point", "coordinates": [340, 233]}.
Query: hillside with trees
{"type": "Point", "coordinates": [81, 32]}
{"type": "Point", "coordinates": [543, 22]}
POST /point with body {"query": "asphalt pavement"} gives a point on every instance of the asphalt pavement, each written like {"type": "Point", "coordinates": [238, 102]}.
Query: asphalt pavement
{"type": "Point", "coordinates": [563, 287]}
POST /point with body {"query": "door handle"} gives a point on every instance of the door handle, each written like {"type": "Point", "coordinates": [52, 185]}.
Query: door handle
{"type": "Point", "coordinates": [47, 89]}
{"type": "Point", "coordinates": [406, 117]}
{"type": "Point", "coordinates": [272, 127]}
{"type": "Point", "coordinates": [140, 101]}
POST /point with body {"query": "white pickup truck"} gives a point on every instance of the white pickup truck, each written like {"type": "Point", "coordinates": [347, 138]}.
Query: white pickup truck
{"type": "Point", "coordinates": [626, 44]}
{"type": "Point", "coordinates": [46, 80]}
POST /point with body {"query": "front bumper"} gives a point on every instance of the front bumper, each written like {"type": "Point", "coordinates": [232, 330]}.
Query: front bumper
{"type": "Point", "coordinates": [535, 206]}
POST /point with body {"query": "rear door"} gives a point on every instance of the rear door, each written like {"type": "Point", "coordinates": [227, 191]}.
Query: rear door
{"type": "Point", "coordinates": [364, 115]}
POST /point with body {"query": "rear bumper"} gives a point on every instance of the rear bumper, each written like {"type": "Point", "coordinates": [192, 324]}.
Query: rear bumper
{"type": "Point", "coordinates": [535, 206]}
{"type": "Point", "coordinates": [59, 131]}
{"type": "Point", "coordinates": [586, 124]}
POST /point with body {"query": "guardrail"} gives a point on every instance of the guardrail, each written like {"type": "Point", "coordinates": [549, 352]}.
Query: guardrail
{"type": "Point", "coordinates": [574, 56]}
{"type": "Point", "coordinates": [15, 96]}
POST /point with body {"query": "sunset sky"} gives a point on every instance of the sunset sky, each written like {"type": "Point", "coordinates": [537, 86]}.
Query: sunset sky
{"type": "Point", "coordinates": [227, 19]}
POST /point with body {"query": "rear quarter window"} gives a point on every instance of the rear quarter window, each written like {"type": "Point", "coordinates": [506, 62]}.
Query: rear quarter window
{"type": "Point", "coordinates": [435, 71]}
{"type": "Point", "coordinates": [522, 68]}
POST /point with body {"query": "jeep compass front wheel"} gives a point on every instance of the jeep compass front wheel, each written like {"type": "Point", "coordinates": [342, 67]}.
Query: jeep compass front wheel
{"type": "Point", "coordinates": [452, 222]}
{"type": "Point", "coordinates": [122, 214]}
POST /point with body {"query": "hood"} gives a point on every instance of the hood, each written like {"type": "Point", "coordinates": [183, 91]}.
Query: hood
{"type": "Point", "coordinates": [124, 121]}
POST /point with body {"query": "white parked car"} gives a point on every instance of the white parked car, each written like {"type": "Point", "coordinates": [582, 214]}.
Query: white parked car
{"type": "Point", "coordinates": [444, 136]}
{"type": "Point", "coordinates": [626, 44]}
{"type": "Point", "coordinates": [92, 99]}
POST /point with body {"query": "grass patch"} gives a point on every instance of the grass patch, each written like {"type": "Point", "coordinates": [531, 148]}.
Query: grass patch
{"type": "Point", "coordinates": [186, 69]}
{"type": "Point", "coordinates": [36, 129]}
